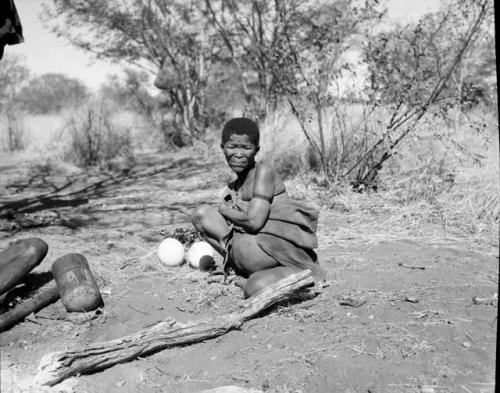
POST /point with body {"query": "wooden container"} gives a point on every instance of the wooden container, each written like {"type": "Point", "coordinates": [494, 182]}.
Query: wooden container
{"type": "Point", "coordinates": [19, 259]}
{"type": "Point", "coordinates": [76, 284]}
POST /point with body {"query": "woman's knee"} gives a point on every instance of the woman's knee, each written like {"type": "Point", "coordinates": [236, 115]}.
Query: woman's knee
{"type": "Point", "coordinates": [209, 222]}
{"type": "Point", "coordinates": [200, 213]}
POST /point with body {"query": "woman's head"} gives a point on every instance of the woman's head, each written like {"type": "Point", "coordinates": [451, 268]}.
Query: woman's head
{"type": "Point", "coordinates": [241, 126]}
{"type": "Point", "coordinates": [240, 143]}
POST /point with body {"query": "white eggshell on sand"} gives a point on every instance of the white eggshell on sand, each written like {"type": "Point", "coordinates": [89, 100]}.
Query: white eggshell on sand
{"type": "Point", "coordinates": [171, 252]}
{"type": "Point", "coordinates": [200, 252]}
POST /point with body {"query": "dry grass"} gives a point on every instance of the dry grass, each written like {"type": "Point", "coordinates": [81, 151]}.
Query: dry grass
{"type": "Point", "coordinates": [453, 182]}
{"type": "Point", "coordinates": [12, 131]}
{"type": "Point", "coordinates": [94, 139]}
{"type": "Point", "coordinates": [466, 213]}
{"type": "Point", "coordinates": [349, 129]}
{"type": "Point", "coordinates": [289, 158]}
{"type": "Point", "coordinates": [42, 132]}
{"type": "Point", "coordinates": [61, 142]}
{"type": "Point", "coordinates": [447, 175]}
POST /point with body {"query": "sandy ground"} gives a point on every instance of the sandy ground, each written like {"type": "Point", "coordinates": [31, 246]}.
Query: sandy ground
{"type": "Point", "coordinates": [416, 327]}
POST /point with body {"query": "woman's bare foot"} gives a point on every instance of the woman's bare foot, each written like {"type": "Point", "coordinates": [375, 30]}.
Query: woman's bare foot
{"type": "Point", "coordinates": [263, 278]}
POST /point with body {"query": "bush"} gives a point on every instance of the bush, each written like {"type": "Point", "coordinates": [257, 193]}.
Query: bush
{"type": "Point", "coordinates": [349, 131]}
{"type": "Point", "coordinates": [49, 93]}
{"type": "Point", "coordinates": [130, 92]}
{"type": "Point", "coordinates": [94, 139]}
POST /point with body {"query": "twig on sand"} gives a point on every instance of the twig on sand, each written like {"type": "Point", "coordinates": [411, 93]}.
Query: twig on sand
{"type": "Point", "coordinates": [57, 366]}
{"type": "Point", "coordinates": [319, 350]}
{"type": "Point", "coordinates": [353, 301]}
{"type": "Point", "coordinates": [137, 310]}
{"type": "Point", "coordinates": [187, 378]}
{"type": "Point", "coordinates": [413, 267]}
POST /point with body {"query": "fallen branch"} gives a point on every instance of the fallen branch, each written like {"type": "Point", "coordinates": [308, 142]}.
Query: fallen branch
{"type": "Point", "coordinates": [57, 366]}
{"type": "Point", "coordinates": [39, 299]}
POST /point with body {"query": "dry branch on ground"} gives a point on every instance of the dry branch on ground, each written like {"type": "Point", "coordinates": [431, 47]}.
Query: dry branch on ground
{"type": "Point", "coordinates": [44, 296]}
{"type": "Point", "coordinates": [57, 366]}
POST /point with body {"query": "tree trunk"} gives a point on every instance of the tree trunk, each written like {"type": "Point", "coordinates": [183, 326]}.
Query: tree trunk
{"type": "Point", "coordinates": [321, 130]}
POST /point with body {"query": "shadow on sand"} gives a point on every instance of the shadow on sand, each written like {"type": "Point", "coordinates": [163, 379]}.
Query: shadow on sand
{"type": "Point", "coordinates": [24, 290]}
{"type": "Point", "coordinates": [73, 194]}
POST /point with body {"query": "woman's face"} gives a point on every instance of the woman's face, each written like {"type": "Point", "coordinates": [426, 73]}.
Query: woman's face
{"type": "Point", "coordinates": [240, 152]}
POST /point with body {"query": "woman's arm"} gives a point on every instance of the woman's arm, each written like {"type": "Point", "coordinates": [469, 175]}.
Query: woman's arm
{"type": "Point", "coordinates": [256, 216]}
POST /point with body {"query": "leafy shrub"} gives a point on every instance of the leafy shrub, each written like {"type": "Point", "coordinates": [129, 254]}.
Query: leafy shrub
{"type": "Point", "coordinates": [49, 93]}
{"type": "Point", "coordinates": [348, 133]}
{"type": "Point", "coordinates": [94, 139]}
{"type": "Point", "coordinates": [130, 92]}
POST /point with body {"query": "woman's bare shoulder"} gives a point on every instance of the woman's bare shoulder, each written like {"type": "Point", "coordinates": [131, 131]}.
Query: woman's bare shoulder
{"type": "Point", "coordinates": [265, 168]}
{"type": "Point", "coordinates": [270, 169]}
{"type": "Point", "coordinates": [267, 171]}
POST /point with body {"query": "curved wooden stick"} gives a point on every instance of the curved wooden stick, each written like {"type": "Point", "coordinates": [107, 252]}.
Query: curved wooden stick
{"type": "Point", "coordinates": [42, 297]}
{"type": "Point", "coordinates": [57, 366]}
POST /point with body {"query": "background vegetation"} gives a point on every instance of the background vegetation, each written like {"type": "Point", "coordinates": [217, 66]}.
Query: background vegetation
{"type": "Point", "coordinates": [407, 111]}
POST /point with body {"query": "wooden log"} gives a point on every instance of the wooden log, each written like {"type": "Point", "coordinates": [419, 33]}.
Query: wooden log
{"type": "Point", "coordinates": [57, 366]}
{"type": "Point", "coordinates": [77, 287]}
{"type": "Point", "coordinates": [39, 299]}
{"type": "Point", "coordinates": [18, 259]}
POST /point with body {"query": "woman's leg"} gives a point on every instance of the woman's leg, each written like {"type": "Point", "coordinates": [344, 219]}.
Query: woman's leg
{"type": "Point", "coordinates": [249, 259]}
{"type": "Point", "coordinates": [264, 278]}
{"type": "Point", "coordinates": [247, 255]}
{"type": "Point", "coordinates": [211, 224]}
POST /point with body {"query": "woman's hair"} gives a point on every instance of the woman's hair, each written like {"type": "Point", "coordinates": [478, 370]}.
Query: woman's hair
{"type": "Point", "coordinates": [241, 126]}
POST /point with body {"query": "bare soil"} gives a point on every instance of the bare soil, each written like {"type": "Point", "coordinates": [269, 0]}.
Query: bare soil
{"type": "Point", "coordinates": [397, 316]}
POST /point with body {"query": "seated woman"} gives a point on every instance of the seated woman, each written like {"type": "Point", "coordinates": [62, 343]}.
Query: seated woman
{"type": "Point", "coordinates": [262, 233]}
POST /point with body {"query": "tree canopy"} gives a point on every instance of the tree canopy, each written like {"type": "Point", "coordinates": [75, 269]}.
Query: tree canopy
{"type": "Point", "coordinates": [51, 92]}
{"type": "Point", "coordinates": [299, 52]}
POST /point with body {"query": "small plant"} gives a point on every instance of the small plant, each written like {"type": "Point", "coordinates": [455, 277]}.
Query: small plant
{"type": "Point", "coordinates": [426, 182]}
{"type": "Point", "coordinates": [186, 236]}
{"type": "Point", "coordinates": [94, 139]}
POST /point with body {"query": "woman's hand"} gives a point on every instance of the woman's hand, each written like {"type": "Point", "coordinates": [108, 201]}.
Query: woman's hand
{"type": "Point", "coordinates": [224, 208]}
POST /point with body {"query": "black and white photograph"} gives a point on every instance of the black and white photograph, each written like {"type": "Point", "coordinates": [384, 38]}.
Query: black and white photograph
{"type": "Point", "coordinates": [260, 196]}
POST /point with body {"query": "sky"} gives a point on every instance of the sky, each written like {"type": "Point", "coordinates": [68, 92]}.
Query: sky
{"type": "Point", "coordinates": [45, 52]}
